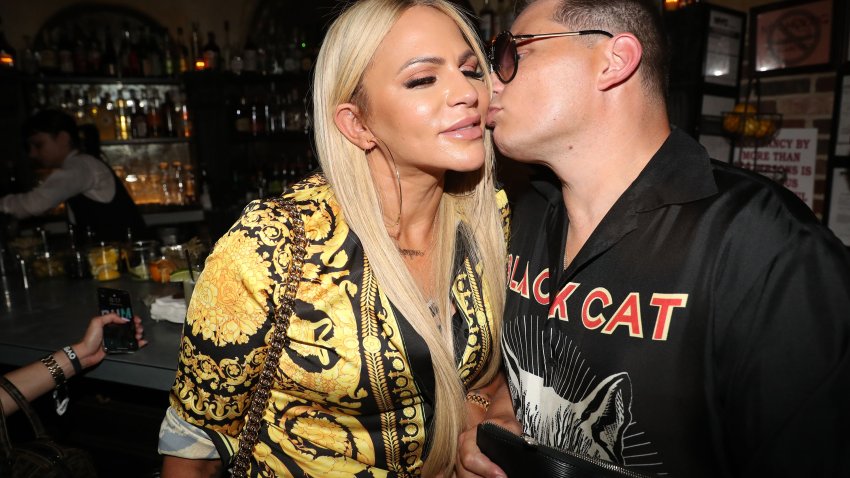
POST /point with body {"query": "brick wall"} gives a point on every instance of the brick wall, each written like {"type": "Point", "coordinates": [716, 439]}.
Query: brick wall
{"type": "Point", "coordinates": [805, 101]}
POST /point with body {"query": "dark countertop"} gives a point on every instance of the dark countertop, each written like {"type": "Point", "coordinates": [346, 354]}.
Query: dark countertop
{"type": "Point", "coordinates": [53, 313]}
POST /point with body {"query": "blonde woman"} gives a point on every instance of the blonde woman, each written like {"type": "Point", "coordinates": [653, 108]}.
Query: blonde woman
{"type": "Point", "coordinates": [399, 303]}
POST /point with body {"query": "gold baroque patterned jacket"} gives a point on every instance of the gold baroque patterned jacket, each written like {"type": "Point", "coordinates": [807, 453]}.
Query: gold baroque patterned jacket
{"type": "Point", "coordinates": [354, 390]}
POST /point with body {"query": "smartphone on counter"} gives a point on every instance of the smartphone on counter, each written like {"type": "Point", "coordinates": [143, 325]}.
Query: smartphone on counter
{"type": "Point", "coordinates": [117, 338]}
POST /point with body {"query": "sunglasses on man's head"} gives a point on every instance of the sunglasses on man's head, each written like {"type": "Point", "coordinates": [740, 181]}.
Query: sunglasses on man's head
{"type": "Point", "coordinates": [504, 57]}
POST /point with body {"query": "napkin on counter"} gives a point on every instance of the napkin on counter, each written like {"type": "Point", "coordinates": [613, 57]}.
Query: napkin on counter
{"type": "Point", "coordinates": [169, 308]}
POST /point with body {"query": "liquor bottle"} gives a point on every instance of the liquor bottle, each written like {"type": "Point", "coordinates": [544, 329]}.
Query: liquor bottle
{"type": "Point", "coordinates": [105, 119]}
{"type": "Point", "coordinates": [91, 106]}
{"type": "Point", "coordinates": [82, 110]}
{"type": "Point", "coordinates": [29, 59]}
{"type": "Point", "coordinates": [306, 54]}
{"type": "Point", "coordinates": [182, 53]}
{"type": "Point", "coordinates": [249, 56]}
{"type": "Point", "coordinates": [190, 188]}
{"type": "Point", "coordinates": [294, 118]}
{"type": "Point", "coordinates": [275, 185]}
{"type": "Point", "coordinates": [139, 118]}
{"type": "Point", "coordinates": [155, 54]}
{"type": "Point", "coordinates": [168, 117]}
{"type": "Point", "coordinates": [48, 57]}
{"type": "Point", "coordinates": [258, 118]}
{"type": "Point", "coordinates": [242, 117]}
{"type": "Point", "coordinates": [154, 117]}
{"type": "Point", "coordinates": [130, 61]}
{"type": "Point", "coordinates": [122, 117]}
{"type": "Point", "coordinates": [168, 64]}
{"type": "Point", "coordinates": [7, 53]}
{"type": "Point", "coordinates": [186, 129]}
{"type": "Point", "coordinates": [485, 21]}
{"type": "Point", "coordinates": [80, 52]}
{"type": "Point", "coordinates": [211, 53]}
{"type": "Point", "coordinates": [197, 59]}
{"type": "Point", "coordinates": [227, 49]}
{"type": "Point", "coordinates": [274, 118]}
{"type": "Point", "coordinates": [166, 187]}
{"type": "Point", "coordinates": [292, 62]}
{"type": "Point", "coordinates": [66, 54]}
{"type": "Point", "coordinates": [178, 183]}
{"type": "Point", "coordinates": [146, 57]}
{"type": "Point", "coordinates": [205, 199]}
{"type": "Point", "coordinates": [77, 266]}
{"type": "Point", "coordinates": [110, 62]}
{"type": "Point", "coordinates": [94, 55]}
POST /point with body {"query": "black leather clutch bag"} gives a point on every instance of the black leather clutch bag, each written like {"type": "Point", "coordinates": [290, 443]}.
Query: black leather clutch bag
{"type": "Point", "coordinates": [522, 456]}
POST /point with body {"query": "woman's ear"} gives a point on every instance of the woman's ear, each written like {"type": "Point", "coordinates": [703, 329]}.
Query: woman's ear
{"type": "Point", "coordinates": [348, 121]}
{"type": "Point", "coordinates": [623, 56]}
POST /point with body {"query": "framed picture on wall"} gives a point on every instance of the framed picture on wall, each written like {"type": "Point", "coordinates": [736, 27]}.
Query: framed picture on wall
{"type": "Point", "coordinates": [793, 36]}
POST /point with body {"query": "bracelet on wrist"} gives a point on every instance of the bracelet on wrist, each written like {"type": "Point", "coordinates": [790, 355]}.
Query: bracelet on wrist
{"type": "Point", "coordinates": [55, 370]}
{"type": "Point", "coordinates": [479, 400]}
{"type": "Point", "coordinates": [74, 358]}
{"type": "Point", "coordinates": [60, 394]}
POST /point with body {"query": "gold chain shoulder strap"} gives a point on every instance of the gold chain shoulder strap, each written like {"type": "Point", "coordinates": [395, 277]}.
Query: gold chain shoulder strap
{"type": "Point", "coordinates": [260, 398]}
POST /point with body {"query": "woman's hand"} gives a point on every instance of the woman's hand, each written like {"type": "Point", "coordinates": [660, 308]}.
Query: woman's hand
{"type": "Point", "coordinates": [90, 348]}
{"type": "Point", "coordinates": [471, 463]}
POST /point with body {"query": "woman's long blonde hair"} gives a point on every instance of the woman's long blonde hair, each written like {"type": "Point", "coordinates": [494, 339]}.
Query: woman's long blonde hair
{"type": "Point", "coordinates": [468, 205]}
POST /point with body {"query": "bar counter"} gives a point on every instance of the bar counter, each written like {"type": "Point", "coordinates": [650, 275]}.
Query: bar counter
{"type": "Point", "coordinates": [53, 313]}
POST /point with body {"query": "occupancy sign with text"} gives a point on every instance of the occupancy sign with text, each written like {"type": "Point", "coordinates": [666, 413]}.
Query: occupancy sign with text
{"type": "Point", "coordinates": [789, 159]}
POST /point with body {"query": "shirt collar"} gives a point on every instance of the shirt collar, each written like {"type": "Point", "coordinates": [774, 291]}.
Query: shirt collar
{"type": "Point", "coordinates": [680, 172]}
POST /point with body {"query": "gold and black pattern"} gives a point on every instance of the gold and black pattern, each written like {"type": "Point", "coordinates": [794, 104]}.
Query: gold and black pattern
{"type": "Point", "coordinates": [470, 302]}
{"type": "Point", "coordinates": [346, 400]}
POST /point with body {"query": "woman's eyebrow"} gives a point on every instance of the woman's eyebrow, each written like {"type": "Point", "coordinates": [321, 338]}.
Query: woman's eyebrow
{"type": "Point", "coordinates": [434, 60]}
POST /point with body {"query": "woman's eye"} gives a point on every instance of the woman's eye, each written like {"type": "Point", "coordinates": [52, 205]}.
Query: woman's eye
{"type": "Point", "coordinates": [476, 74]}
{"type": "Point", "coordinates": [417, 82]}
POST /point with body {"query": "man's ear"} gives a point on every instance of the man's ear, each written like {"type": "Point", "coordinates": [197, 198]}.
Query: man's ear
{"type": "Point", "coordinates": [348, 121]}
{"type": "Point", "coordinates": [63, 138]}
{"type": "Point", "coordinates": [623, 55]}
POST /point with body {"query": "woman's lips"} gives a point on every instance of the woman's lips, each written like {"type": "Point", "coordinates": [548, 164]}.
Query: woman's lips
{"type": "Point", "coordinates": [467, 128]}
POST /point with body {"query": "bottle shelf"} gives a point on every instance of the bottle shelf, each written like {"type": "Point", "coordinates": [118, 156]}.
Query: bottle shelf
{"type": "Point", "coordinates": [103, 80]}
{"type": "Point", "coordinates": [143, 141]}
{"type": "Point", "coordinates": [282, 137]}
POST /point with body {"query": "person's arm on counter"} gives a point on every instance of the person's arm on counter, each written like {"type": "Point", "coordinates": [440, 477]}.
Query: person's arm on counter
{"type": "Point", "coordinates": [35, 379]}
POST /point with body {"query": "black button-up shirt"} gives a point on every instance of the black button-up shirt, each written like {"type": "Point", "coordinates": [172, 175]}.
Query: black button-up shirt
{"type": "Point", "coordinates": [702, 330]}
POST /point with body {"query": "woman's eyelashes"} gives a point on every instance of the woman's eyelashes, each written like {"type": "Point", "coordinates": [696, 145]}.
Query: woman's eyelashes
{"type": "Point", "coordinates": [421, 81]}
{"type": "Point", "coordinates": [474, 73]}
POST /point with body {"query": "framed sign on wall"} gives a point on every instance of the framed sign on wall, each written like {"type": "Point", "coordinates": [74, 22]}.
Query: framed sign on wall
{"type": "Point", "coordinates": [793, 36]}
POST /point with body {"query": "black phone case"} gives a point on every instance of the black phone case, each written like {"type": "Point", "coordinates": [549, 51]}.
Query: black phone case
{"type": "Point", "coordinates": [117, 338]}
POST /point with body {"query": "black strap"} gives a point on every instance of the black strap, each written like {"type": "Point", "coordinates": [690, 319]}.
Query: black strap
{"type": "Point", "coordinates": [26, 408]}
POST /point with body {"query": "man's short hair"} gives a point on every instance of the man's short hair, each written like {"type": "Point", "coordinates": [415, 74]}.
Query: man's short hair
{"type": "Point", "coordinates": [642, 18]}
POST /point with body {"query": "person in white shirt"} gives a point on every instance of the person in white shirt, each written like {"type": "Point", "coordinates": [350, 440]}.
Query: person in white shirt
{"type": "Point", "coordinates": [95, 197]}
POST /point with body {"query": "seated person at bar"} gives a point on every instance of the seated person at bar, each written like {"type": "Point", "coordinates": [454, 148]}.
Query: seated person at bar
{"type": "Point", "coordinates": [398, 301]}
{"type": "Point", "coordinates": [53, 370]}
{"type": "Point", "coordinates": [96, 198]}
